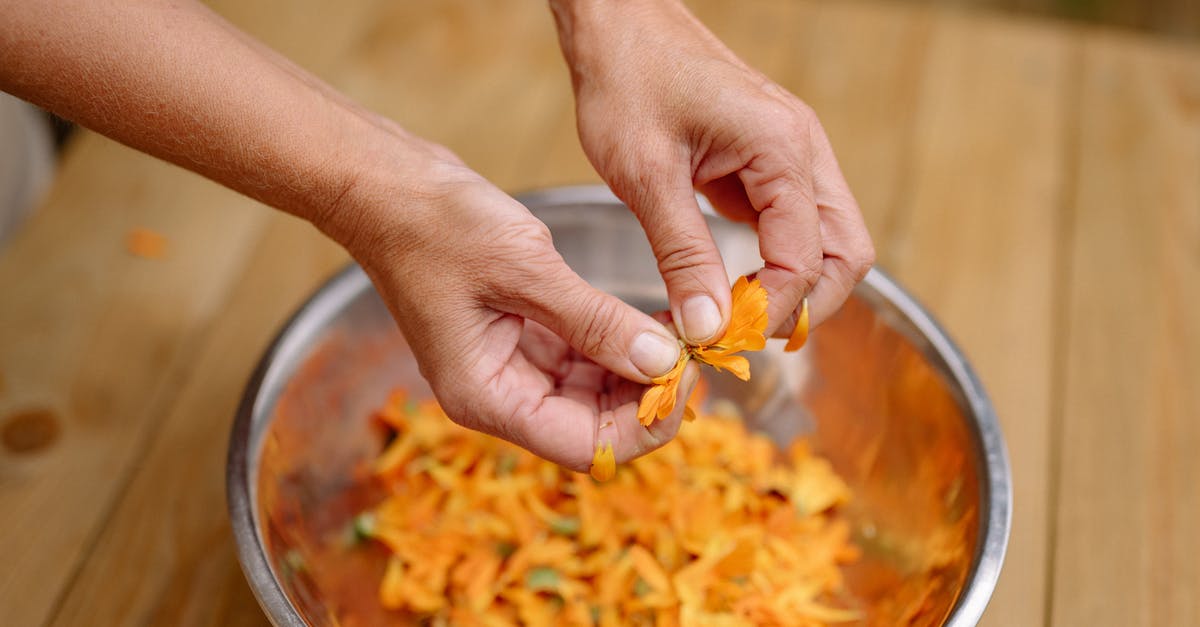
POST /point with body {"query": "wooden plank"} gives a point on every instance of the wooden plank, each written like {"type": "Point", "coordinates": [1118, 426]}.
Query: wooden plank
{"type": "Point", "coordinates": [1129, 497]}
{"type": "Point", "coordinates": [484, 79]}
{"type": "Point", "coordinates": [166, 557]}
{"type": "Point", "coordinates": [977, 244]}
{"type": "Point", "coordinates": [99, 340]}
{"type": "Point", "coordinates": [859, 66]}
{"type": "Point", "coordinates": [97, 343]}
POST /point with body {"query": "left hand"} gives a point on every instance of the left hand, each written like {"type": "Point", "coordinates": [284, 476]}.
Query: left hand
{"type": "Point", "coordinates": [664, 109]}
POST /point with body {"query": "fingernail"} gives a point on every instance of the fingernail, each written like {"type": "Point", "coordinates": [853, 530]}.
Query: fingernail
{"type": "Point", "coordinates": [654, 353]}
{"type": "Point", "coordinates": [701, 318]}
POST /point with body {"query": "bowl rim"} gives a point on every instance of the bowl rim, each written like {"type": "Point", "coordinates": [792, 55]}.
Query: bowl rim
{"type": "Point", "coordinates": [297, 335]}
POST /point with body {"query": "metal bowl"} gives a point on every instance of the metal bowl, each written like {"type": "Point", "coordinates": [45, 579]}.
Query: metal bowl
{"type": "Point", "coordinates": [880, 390]}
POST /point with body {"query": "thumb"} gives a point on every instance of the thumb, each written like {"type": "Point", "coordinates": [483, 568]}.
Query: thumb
{"type": "Point", "coordinates": [688, 259]}
{"type": "Point", "coordinates": [600, 326]}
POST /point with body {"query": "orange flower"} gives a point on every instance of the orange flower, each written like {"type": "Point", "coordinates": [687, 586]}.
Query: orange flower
{"type": "Point", "coordinates": [748, 326]}
{"type": "Point", "coordinates": [746, 332]}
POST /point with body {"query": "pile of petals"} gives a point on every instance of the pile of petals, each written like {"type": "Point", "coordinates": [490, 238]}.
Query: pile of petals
{"type": "Point", "coordinates": [718, 527]}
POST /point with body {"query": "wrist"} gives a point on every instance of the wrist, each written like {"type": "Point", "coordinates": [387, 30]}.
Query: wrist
{"type": "Point", "coordinates": [376, 181]}
{"type": "Point", "coordinates": [594, 34]}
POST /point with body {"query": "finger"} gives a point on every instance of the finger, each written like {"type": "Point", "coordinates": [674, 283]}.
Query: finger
{"type": "Point", "coordinates": [598, 325]}
{"type": "Point", "coordinates": [789, 236]}
{"type": "Point", "coordinates": [846, 244]}
{"type": "Point", "coordinates": [828, 295]}
{"type": "Point", "coordinates": [728, 197]}
{"type": "Point", "coordinates": [544, 349]}
{"type": "Point", "coordinates": [565, 429]}
{"type": "Point", "coordinates": [688, 259]}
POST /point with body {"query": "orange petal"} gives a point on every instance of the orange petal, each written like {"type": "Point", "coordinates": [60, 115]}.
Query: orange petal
{"type": "Point", "coordinates": [147, 244]}
{"type": "Point", "coordinates": [649, 569]}
{"type": "Point", "coordinates": [391, 589]}
{"type": "Point", "coordinates": [648, 408]}
{"type": "Point", "coordinates": [800, 333]}
{"type": "Point", "coordinates": [604, 463]}
{"type": "Point", "coordinates": [749, 305]}
{"type": "Point", "coordinates": [740, 561]}
{"type": "Point", "coordinates": [658, 401]}
{"type": "Point", "coordinates": [666, 404]}
{"type": "Point", "coordinates": [735, 364]}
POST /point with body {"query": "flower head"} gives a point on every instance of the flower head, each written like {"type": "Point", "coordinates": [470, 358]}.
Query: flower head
{"type": "Point", "coordinates": [746, 332]}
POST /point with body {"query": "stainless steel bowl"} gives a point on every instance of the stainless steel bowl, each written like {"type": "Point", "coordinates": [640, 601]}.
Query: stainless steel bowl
{"type": "Point", "coordinates": [880, 390]}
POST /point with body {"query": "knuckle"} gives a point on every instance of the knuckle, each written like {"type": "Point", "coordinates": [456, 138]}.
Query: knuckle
{"type": "Point", "coordinates": [789, 323]}
{"type": "Point", "coordinates": [520, 237]}
{"type": "Point", "coordinates": [808, 271]}
{"type": "Point", "coordinates": [683, 251]}
{"type": "Point", "coordinates": [863, 261]}
{"type": "Point", "coordinates": [805, 113]}
{"type": "Point", "coordinates": [520, 261]}
{"type": "Point", "coordinates": [601, 325]}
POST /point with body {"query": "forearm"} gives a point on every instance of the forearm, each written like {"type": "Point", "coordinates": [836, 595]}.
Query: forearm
{"type": "Point", "coordinates": [174, 80]}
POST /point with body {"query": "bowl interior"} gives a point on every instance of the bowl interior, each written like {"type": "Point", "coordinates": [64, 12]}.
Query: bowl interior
{"type": "Point", "coordinates": [875, 391]}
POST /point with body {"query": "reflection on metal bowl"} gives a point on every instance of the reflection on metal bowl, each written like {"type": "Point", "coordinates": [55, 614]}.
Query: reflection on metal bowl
{"type": "Point", "coordinates": [880, 391]}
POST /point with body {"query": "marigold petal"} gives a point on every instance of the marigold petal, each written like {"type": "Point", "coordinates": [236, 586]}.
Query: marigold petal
{"type": "Point", "coordinates": [800, 333]}
{"type": "Point", "coordinates": [676, 371]}
{"type": "Point", "coordinates": [666, 404]}
{"type": "Point", "coordinates": [746, 331]}
{"type": "Point", "coordinates": [648, 407]}
{"type": "Point", "coordinates": [472, 526]}
{"type": "Point", "coordinates": [749, 305]}
{"type": "Point", "coordinates": [649, 569]}
{"type": "Point", "coordinates": [604, 463]}
{"type": "Point", "coordinates": [145, 243]}
{"type": "Point", "coordinates": [736, 364]}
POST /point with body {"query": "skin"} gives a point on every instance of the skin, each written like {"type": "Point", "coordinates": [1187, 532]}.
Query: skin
{"type": "Point", "coordinates": [512, 341]}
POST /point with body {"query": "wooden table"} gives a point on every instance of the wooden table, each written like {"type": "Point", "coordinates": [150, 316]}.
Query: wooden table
{"type": "Point", "coordinates": [1036, 185]}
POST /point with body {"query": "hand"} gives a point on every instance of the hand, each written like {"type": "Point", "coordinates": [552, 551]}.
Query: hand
{"type": "Point", "coordinates": [664, 109]}
{"type": "Point", "coordinates": [512, 341]}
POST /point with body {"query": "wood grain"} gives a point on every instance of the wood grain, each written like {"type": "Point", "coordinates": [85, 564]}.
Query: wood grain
{"type": "Point", "coordinates": [977, 244]}
{"type": "Point", "coordinates": [102, 340]}
{"type": "Point", "coordinates": [866, 89]}
{"type": "Point", "coordinates": [1129, 497]}
{"type": "Point", "coordinates": [484, 79]}
{"type": "Point", "coordinates": [171, 519]}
